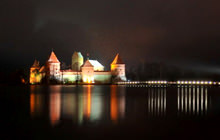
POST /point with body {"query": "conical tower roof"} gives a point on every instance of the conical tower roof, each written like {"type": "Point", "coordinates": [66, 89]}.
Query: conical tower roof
{"type": "Point", "coordinates": [36, 63]}
{"type": "Point", "coordinates": [53, 58]}
{"type": "Point", "coordinates": [87, 64]}
{"type": "Point", "coordinates": [117, 60]}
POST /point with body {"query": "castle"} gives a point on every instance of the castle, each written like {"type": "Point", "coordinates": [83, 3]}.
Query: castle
{"type": "Point", "coordinates": [90, 71]}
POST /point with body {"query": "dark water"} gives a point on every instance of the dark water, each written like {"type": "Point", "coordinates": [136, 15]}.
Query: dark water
{"type": "Point", "coordinates": [110, 112]}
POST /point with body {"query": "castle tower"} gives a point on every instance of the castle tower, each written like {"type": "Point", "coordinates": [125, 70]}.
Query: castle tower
{"type": "Point", "coordinates": [77, 61]}
{"type": "Point", "coordinates": [53, 67]}
{"type": "Point", "coordinates": [118, 69]}
{"type": "Point", "coordinates": [34, 73]}
{"type": "Point", "coordinates": [87, 72]}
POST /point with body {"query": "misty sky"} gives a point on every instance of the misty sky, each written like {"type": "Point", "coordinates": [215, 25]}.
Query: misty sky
{"type": "Point", "coordinates": [182, 32]}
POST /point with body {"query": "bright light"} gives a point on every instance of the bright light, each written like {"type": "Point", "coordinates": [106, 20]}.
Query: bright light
{"type": "Point", "coordinates": [88, 79]}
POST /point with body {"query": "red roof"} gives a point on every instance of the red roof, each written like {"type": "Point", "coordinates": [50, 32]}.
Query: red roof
{"type": "Point", "coordinates": [36, 63]}
{"type": "Point", "coordinates": [117, 60]}
{"type": "Point", "coordinates": [53, 58]}
{"type": "Point", "coordinates": [87, 64]}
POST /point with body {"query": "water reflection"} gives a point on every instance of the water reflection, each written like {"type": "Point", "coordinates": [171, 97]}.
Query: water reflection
{"type": "Point", "coordinates": [192, 100]}
{"type": "Point", "coordinates": [55, 104]}
{"type": "Point", "coordinates": [97, 104]}
{"type": "Point", "coordinates": [69, 106]}
{"type": "Point", "coordinates": [86, 104]}
{"type": "Point", "coordinates": [110, 104]}
{"type": "Point", "coordinates": [117, 103]}
{"type": "Point", "coordinates": [36, 103]}
{"type": "Point", "coordinates": [72, 106]}
{"type": "Point", "coordinates": [157, 101]}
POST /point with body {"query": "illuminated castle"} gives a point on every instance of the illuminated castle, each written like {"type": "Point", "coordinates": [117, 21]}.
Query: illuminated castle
{"type": "Point", "coordinates": [90, 71]}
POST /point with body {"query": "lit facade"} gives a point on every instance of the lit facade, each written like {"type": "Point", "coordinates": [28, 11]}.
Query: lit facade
{"type": "Point", "coordinates": [90, 71]}
{"type": "Point", "coordinates": [77, 61]}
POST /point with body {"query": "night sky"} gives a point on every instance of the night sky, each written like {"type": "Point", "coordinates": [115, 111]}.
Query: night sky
{"type": "Point", "coordinates": [178, 32]}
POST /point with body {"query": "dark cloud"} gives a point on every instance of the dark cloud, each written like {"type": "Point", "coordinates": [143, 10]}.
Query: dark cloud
{"type": "Point", "coordinates": [182, 32]}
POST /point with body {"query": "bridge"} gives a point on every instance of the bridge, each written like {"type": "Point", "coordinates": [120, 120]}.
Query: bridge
{"type": "Point", "coordinates": [164, 82]}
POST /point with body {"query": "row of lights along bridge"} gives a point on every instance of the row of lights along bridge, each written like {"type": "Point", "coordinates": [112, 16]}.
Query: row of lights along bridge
{"type": "Point", "coordinates": [194, 82]}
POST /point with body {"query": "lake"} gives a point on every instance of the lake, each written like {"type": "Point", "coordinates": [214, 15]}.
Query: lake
{"type": "Point", "coordinates": [110, 112]}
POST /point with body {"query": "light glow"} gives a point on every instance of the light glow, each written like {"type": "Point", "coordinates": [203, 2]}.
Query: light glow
{"type": "Point", "coordinates": [114, 104]}
{"type": "Point", "coordinates": [88, 79]}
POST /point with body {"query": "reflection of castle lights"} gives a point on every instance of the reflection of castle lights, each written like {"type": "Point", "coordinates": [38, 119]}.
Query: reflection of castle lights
{"type": "Point", "coordinates": [36, 103]}
{"type": "Point", "coordinates": [69, 106]}
{"type": "Point", "coordinates": [55, 105]}
{"type": "Point", "coordinates": [114, 111]}
{"type": "Point", "coordinates": [32, 103]}
{"type": "Point", "coordinates": [117, 103]}
{"type": "Point", "coordinates": [87, 102]}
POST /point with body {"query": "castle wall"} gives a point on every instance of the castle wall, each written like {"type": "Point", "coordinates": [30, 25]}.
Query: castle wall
{"type": "Point", "coordinates": [99, 77]}
{"type": "Point", "coordinates": [102, 77]}
{"type": "Point", "coordinates": [35, 75]}
{"type": "Point", "coordinates": [36, 78]}
{"type": "Point", "coordinates": [70, 77]}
